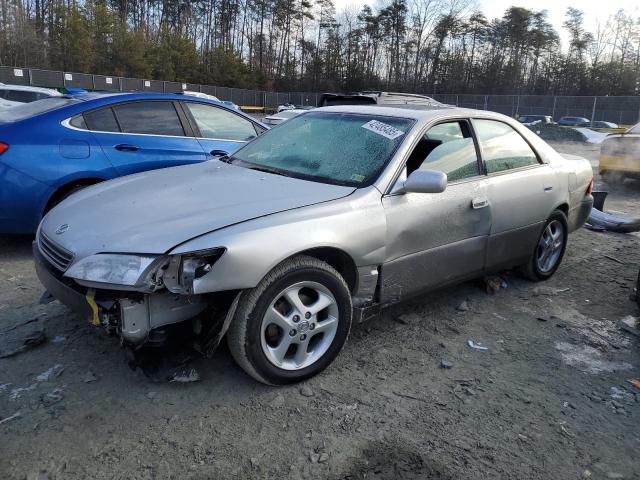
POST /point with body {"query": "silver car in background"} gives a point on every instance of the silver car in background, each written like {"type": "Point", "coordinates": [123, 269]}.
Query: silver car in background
{"type": "Point", "coordinates": [319, 223]}
{"type": "Point", "coordinates": [282, 116]}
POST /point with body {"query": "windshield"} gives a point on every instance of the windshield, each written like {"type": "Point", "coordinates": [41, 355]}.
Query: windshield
{"type": "Point", "coordinates": [337, 148]}
{"type": "Point", "coordinates": [28, 110]}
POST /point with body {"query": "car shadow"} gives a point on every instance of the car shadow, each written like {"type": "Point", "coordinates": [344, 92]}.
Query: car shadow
{"type": "Point", "coordinates": [17, 247]}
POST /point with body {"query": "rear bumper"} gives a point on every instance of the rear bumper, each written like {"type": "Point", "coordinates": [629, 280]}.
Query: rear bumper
{"type": "Point", "coordinates": [579, 214]}
{"type": "Point", "coordinates": [72, 296]}
{"type": "Point", "coordinates": [22, 200]}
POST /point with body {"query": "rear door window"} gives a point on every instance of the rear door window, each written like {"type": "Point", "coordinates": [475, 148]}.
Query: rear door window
{"type": "Point", "coordinates": [102, 120]}
{"type": "Point", "coordinates": [219, 124]}
{"type": "Point", "coordinates": [149, 118]}
{"type": "Point", "coordinates": [502, 147]}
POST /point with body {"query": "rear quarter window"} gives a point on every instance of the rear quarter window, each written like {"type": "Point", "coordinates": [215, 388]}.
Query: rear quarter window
{"type": "Point", "coordinates": [102, 120]}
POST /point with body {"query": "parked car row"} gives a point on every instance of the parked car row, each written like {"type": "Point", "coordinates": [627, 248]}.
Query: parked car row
{"type": "Point", "coordinates": [566, 121]}
{"type": "Point", "coordinates": [285, 237]}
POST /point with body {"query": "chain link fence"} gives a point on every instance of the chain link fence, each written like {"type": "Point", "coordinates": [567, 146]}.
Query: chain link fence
{"type": "Point", "coordinates": [620, 110]}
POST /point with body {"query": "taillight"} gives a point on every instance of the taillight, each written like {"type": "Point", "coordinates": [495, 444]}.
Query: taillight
{"type": "Point", "coordinates": [3, 147]}
{"type": "Point", "coordinates": [590, 187]}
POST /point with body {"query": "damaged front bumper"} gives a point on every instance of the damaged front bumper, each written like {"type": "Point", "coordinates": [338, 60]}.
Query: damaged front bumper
{"type": "Point", "coordinates": [131, 315]}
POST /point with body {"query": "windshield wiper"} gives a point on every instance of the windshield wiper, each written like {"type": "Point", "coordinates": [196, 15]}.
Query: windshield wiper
{"type": "Point", "coordinates": [268, 170]}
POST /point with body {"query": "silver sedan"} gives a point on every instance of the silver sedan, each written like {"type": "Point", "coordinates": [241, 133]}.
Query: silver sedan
{"type": "Point", "coordinates": [316, 224]}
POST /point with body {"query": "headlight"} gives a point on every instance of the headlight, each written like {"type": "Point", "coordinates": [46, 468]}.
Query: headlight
{"type": "Point", "coordinates": [113, 268]}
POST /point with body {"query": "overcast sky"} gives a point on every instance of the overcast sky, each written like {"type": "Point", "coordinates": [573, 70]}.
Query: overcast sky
{"type": "Point", "coordinates": [594, 10]}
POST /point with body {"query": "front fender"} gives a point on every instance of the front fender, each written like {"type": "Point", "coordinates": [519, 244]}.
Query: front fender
{"type": "Point", "coordinates": [355, 225]}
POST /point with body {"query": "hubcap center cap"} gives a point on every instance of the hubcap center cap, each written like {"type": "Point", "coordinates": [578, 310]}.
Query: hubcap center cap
{"type": "Point", "coordinates": [303, 326]}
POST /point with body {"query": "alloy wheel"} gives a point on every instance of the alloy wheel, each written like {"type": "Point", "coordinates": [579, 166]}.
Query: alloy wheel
{"type": "Point", "coordinates": [550, 246]}
{"type": "Point", "coordinates": [299, 325]}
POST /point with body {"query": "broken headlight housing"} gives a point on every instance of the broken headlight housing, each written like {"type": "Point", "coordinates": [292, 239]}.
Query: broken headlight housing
{"type": "Point", "coordinates": [185, 269]}
{"type": "Point", "coordinates": [115, 269]}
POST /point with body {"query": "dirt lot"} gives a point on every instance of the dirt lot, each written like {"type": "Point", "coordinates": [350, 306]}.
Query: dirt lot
{"type": "Point", "coordinates": [549, 399]}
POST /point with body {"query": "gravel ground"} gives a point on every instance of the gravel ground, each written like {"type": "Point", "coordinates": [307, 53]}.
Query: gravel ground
{"type": "Point", "coordinates": [407, 397]}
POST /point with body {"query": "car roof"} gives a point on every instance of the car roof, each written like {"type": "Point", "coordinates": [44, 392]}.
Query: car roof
{"type": "Point", "coordinates": [139, 96]}
{"type": "Point", "coordinates": [420, 113]}
{"type": "Point", "coordinates": [124, 96]}
{"type": "Point", "coordinates": [29, 88]}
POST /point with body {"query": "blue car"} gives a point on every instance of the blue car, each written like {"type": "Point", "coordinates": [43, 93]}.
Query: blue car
{"type": "Point", "coordinates": [53, 147]}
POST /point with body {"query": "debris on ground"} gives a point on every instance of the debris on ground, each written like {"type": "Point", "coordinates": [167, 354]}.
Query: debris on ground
{"type": "Point", "coordinates": [52, 397]}
{"type": "Point", "coordinates": [54, 371]}
{"type": "Point", "coordinates": [15, 327]}
{"type": "Point", "coordinates": [635, 382]}
{"type": "Point", "coordinates": [493, 284]}
{"type": "Point", "coordinates": [89, 377]}
{"type": "Point", "coordinates": [630, 325]}
{"type": "Point", "coordinates": [463, 306]}
{"type": "Point", "coordinates": [599, 220]}
{"type": "Point", "coordinates": [548, 291]}
{"type": "Point", "coordinates": [476, 346]}
{"type": "Point", "coordinates": [185, 375]}
{"type": "Point", "coordinates": [446, 364]}
{"type": "Point", "coordinates": [58, 339]}
{"type": "Point", "coordinates": [29, 341]}
{"type": "Point", "coordinates": [306, 391]}
{"type": "Point", "coordinates": [277, 402]}
{"type": "Point", "coordinates": [10, 417]}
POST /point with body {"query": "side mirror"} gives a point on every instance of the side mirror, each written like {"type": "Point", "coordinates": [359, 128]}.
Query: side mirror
{"type": "Point", "coordinates": [425, 181]}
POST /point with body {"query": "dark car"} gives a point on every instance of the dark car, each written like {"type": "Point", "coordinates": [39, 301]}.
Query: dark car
{"type": "Point", "coordinates": [379, 98]}
{"type": "Point", "coordinates": [535, 118]}
{"type": "Point", "coordinates": [51, 148]}
{"type": "Point", "coordinates": [574, 122]}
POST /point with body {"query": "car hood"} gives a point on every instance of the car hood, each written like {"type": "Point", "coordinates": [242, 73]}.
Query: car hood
{"type": "Point", "coordinates": [154, 211]}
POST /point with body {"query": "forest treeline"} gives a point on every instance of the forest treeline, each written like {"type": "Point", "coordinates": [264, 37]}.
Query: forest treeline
{"type": "Point", "coordinates": [427, 46]}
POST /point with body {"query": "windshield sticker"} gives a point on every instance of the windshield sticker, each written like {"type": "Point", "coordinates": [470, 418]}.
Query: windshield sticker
{"type": "Point", "coordinates": [357, 177]}
{"type": "Point", "coordinates": [383, 129]}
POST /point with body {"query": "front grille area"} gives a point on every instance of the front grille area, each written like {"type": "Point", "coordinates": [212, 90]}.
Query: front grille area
{"type": "Point", "coordinates": [54, 253]}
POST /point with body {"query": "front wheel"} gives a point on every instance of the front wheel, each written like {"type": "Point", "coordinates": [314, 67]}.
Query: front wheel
{"type": "Point", "coordinates": [293, 324]}
{"type": "Point", "coordinates": [549, 250]}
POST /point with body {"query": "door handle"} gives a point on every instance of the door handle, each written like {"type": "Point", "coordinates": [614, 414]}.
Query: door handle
{"type": "Point", "coordinates": [548, 189]}
{"type": "Point", "coordinates": [123, 147]}
{"type": "Point", "coordinates": [218, 153]}
{"type": "Point", "coordinates": [478, 203]}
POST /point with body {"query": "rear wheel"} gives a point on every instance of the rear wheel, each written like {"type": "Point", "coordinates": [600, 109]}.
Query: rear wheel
{"type": "Point", "coordinates": [64, 194]}
{"type": "Point", "coordinates": [549, 250]}
{"type": "Point", "coordinates": [293, 324]}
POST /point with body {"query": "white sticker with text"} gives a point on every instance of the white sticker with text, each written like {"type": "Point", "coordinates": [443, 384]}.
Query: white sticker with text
{"type": "Point", "coordinates": [17, 72]}
{"type": "Point", "coordinates": [383, 129]}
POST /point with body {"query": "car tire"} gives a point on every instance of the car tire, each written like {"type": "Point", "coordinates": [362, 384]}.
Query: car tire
{"type": "Point", "coordinates": [293, 324]}
{"type": "Point", "coordinates": [549, 250]}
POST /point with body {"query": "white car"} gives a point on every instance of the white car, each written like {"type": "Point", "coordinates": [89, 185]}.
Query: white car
{"type": "Point", "coordinates": [12, 95]}
{"type": "Point", "coordinates": [282, 116]}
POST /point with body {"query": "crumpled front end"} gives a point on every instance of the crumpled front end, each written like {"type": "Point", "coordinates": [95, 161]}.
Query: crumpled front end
{"type": "Point", "coordinates": [133, 313]}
